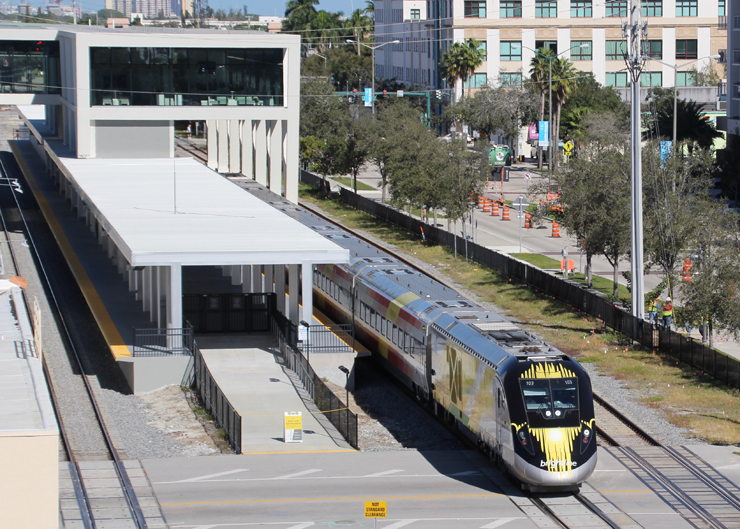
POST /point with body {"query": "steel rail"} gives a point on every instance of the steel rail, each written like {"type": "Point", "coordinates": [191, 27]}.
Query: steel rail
{"type": "Point", "coordinates": [128, 489]}
{"type": "Point", "coordinates": [626, 421]}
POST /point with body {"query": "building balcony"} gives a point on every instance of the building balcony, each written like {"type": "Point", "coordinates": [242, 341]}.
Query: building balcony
{"type": "Point", "coordinates": [722, 22]}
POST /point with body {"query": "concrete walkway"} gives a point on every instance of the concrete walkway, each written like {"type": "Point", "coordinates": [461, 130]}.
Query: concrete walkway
{"type": "Point", "coordinates": [248, 372]}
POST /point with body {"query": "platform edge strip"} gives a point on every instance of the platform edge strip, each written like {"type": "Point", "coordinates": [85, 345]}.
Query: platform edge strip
{"type": "Point", "coordinates": [109, 330]}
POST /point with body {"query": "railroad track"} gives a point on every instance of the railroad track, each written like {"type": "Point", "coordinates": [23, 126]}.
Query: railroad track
{"type": "Point", "coordinates": [192, 149]}
{"type": "Point", "coordinates": [86, 445]}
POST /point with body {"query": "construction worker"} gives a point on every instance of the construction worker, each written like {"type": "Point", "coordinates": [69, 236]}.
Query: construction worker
{"type": "Point", "coordinates": [667, 313]}
{"type": "Point", "coordinates": [653, 308]}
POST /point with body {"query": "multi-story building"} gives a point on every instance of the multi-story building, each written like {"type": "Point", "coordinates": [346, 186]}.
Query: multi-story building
{"type": "Point", "coordinates": [733, 68]}
{"type": "Point", "coordinates": [588, 32]}
{"type": "Point", "coordinates": [149, 8]}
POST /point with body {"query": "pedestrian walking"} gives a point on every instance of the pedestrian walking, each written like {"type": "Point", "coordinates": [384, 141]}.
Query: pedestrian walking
{"type": "Point", "coordinates": [653, 308]}
{"type": "Point", "coordinates": [667, 313]}
{"type": "Point", "coordinates": [189, 131]}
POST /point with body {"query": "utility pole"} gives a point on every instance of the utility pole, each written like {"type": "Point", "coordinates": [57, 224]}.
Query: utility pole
{"type": "Point", "coordinates": [633, 31]}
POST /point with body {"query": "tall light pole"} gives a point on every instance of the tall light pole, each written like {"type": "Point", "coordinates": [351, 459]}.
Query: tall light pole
{"type": "Point", "coordinates": [634, 30]}
{"type": "Point", "coordinates": [675, 87]}
{"type": "Point", "coordinates": [372, 74]}
{"type": "Point", "coordinates": [550, 146]}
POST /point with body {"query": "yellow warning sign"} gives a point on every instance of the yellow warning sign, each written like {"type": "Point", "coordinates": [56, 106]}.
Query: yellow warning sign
{"type": "Point", "coordinates": [568, 147]}
{"type": "Point", "coordinates": [293, 431]}
{"type": "Point", "coordinates": [376, 509]}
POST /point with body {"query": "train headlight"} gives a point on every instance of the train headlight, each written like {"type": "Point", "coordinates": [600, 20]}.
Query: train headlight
{"type": "Point", "coordinates": [524, 438]}
{"type": "Point", "coordinates": [586, 435]}
{"type": "Point", "coordinates": [554, 435]}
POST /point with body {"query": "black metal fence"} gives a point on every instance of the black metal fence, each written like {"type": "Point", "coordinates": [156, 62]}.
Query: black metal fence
{"type": "Point", "coordinates": [326, 401]}
{"type": "Point", "coordinates": [215, 401]}
{"type": "Point", "coordinates": [329, 339]}
{"type": "Point", "coordinates": [229, 312]}
{"type": "Point", "coordinates": [163, 342]}
{"type": "Point", "coordinates": [715, 363]}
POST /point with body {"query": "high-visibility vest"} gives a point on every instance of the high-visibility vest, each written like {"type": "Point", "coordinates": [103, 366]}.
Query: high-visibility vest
{"type": "Point", "coordinates": [653, 307]}
{"type": "Point", "coordinates": [668, 309]}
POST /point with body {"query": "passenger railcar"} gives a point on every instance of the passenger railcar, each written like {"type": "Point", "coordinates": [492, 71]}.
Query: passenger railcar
{"type": "Point", "coordinates": [524, 402]}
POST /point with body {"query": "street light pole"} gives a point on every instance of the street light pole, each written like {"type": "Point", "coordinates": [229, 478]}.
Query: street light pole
{"type": "Point", "coordinates": [372, 74]}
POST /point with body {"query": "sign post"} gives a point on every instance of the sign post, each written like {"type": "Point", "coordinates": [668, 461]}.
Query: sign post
{"type": "Point", "coordinates": [375, 510]}
{"type": "Point", "coordinates": [521, 205]}
{"type": "Point", "coordinates": [293, 428]}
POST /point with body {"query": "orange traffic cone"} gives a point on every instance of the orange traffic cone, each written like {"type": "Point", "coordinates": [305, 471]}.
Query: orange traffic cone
{"type": "Point", "coordinates": [506, 213]}
{"type": "Point", "coordinates": [527, 220]}
{"type": "Point", "coordinates": [555, 229]}
{"type": "Point", "coordinates": [487, 206]}
{"type": "Point", "coordinates": [481, 201]}
{"type": "Point", "coordinates": [494, 211]}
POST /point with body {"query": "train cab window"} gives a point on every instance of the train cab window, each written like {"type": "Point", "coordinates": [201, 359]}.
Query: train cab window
{"type": "Point", "coordinates": [536, 394]}
{"type": "Point", "coordinates": [395, 334]}
{"type": "Point", "coordinates": [564, 393]}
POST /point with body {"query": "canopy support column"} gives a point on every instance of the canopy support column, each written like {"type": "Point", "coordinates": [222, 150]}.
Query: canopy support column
{"type": "Point", "coordinates": [307, 292]}
{"type": "Point", "coordinates": [293, 294]}
{"type": "Point", "coordinates": [174, 294]}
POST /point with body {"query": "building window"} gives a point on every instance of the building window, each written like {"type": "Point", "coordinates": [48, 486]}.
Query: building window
{"type": "Point", "coordinates": [721, 8]}
{"type": "Point", "coordinates": [30, 67]}
{"type": "Point", "coordinates": [616, 8]}
{"type": "Point", "coordinates": [475, 9]}
{"type": "Point", "coordinates": [686, 79]}
{"type": "Point", "coordinates": [510, 79]}
{"type": "Point", "coordinates": [686, 49]}
{"type": "Point", "coordinates": [415, 14]}
{"type": "Point", "coordinates": [580, 50]}
{"type": "Point", "coordinates": [477, 80]}
{"type": "Point", "coordinates": [551, 45]}
{"type": "Point", "coordinates": [511, 9]}
{"type": "Point", "coordinates": [735, 56]}
{"type": "Point", "coordinates": [186, 76]}
{"type": "Point", "coordinates": [653, 48]}
{"type": "Point", "coordinates": [545, 9]}
{"type": "Point", "coordinates": [484, 49]}
{"type": "Point", "coordinates": [616, 50]}
{"type": "Point", "coordinates": [651, 79]}
{"type": "Point", "coordinates": [580, 9]}
{"type": "Point", "coordinates": [652, 8]}
{"type": "Point", "coordinates": [616, 79]}
{"type": "Point", "coordinates": [736, 22]}
{"type": "Point", "coordinates": [511, 50]}
{"type": "Point", "coordinates": [686, 8]}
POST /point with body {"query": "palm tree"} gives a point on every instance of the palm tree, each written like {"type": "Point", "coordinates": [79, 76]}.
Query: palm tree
{"type": "Point", "coordinates": [539, 73]}
{"type": "Point", "coordinates": [563, 81]}
{"type": "Point", "coordinates": [360, 25]}
{"type": "Point", "coordinates": [460, 61]}
{"type": "Point", "coordinates": [299, 13]}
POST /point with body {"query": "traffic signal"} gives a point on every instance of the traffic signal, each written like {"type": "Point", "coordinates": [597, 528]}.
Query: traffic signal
{"type": "Point", "coordinates": [439, 95]}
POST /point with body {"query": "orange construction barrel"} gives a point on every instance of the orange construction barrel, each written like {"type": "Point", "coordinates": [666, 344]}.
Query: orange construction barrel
{"type": "Point", "coordinates": [527, 219]}
{"type": "Point", "coordinates": [556, 229]}
{"type": "Point", "coordinates": [506, 213]}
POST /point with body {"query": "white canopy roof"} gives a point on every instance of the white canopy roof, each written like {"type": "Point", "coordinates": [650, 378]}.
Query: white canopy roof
{"type": "Point", "coordinates": [211, 222]}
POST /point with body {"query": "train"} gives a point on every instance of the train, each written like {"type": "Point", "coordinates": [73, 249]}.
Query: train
{"type": "Point", "coordinates": [526, 404]}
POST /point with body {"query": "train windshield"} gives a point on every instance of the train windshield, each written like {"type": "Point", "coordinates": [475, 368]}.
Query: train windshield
{"type": "Point", "coordinates": [551, 396]}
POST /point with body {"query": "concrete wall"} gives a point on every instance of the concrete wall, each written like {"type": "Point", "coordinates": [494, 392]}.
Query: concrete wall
{"type": "Point", "coordinates": [132, 139]}
{"type": "Point", "coordinates": [149, 373]}
{"type": "Point", "coordinates": [29, 488]}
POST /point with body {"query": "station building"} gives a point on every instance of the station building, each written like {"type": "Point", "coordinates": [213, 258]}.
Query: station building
{"type": "Point", "coordinates": [106, 141]}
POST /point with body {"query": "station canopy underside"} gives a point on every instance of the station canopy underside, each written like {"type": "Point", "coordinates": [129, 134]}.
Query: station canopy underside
{"type": "Point", "coordinates": [177, 211]}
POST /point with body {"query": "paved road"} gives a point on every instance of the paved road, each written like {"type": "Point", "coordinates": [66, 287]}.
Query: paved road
{"type": "Point", "coordinates": [432, 490]}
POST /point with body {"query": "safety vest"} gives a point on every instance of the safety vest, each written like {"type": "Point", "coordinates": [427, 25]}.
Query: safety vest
{"type": "Point", "coordinates": [668, 309]}
{"type": "Point", "coordinates": [653, 307]}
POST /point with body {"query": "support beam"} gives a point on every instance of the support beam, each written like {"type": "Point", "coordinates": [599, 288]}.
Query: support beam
{"type": "Point", "coordinates": [247, 149]}
{"type": "Point", "coordinates": [269, 287]}
{"type": "Point", "coordinates": [246, 279]}
{"type": "Point", "coordinates": [212, 143]}
{"type": "Point", "coordinates": [260, 152]}
{"type": "Point", "coordinates": [291, 161]}
{"type": "Point", "coordinates": [152, 291]}
{"type": "Point", "coordinates": [280, 288]}
{"type": "Point", "coordinates": [236, 275]}
{"type": "Point", "coordinates": [307, 292]}
{"type": "Point", "coordinates": [174, 303]}
{"type": "Point", "coordinates": [294, 292]}
{"type": "Point", "coordinates": [160, 294]}
{"type": "Point", "coordinates": [234, 147]}
{"type": "Point", "coordinates": [223, 146]}
{"type": "Point", "coordinates": [257, 279]}
{"type": "Point", "coordinates": [146, 287]}
{"type": "Point", "coordinates": [276, 157]}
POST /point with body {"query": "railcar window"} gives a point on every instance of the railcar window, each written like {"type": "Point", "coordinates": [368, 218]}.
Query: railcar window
{"type": "Point", "coordinates": [395, 334]}
{"type": "Point", "coordinates": [564, 393]}
{"type": "Point", "coordinates": [536, 394]}
{"type": "Point", "coordinates": [550, 394]}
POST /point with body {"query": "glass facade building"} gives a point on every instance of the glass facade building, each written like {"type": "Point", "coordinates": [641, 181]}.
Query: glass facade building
{"type": "Point", "coordinates": [29, 67]}
{"type": "Point", "coordinates": [186, 76]}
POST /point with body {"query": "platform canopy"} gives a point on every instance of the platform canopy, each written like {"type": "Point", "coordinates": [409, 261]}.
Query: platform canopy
{"type": "Point", "coordinates": [177, 211]}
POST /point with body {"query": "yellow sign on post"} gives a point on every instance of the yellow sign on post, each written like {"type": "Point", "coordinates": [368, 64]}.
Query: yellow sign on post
{"type": "Point", "coordinates": [376, 509]}
{"type": "Point", "coordinates": [568, 147]}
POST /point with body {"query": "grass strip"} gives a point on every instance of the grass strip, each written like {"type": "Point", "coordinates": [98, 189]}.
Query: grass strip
{"type": "Point", "coordinates": [361, 186]}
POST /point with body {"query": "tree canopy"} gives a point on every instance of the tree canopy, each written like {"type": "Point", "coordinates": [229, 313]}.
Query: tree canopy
{"type": "Point", "coordinates": [460, 61]}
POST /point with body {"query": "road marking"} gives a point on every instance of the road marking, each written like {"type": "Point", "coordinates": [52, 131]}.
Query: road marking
{"type": "Point", "coordinates": [191, 480]}
{"type": "Point", "coordinates": [311, 471]}
{"type": "Point", "coordinates": [614, 470]}
{"type": "Point", "coordinates": [302, 525]}
{"type": "Point", "coordinates": [402, 476]}
{"type": "Point", "coordinates": [398, 525]}
{"type": "Point", "coordinates": [301, 452]}
{"type": "Point", "coordinates": [384, 473]}
{"type": "Point", "coordinates": [498, 523]}
{"type": "Point", "coordinates": [347, 498]}
{"type": "Point", "coordinates": [728, 467]}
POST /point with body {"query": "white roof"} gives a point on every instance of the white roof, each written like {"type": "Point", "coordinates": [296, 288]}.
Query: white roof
{"type": "Point", "coordinates": [215, 223]}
